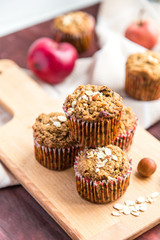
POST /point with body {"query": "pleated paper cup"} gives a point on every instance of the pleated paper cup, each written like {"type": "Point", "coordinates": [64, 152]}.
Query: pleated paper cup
{"type": "Point", "coordinates": [55, 158]}
{"type": "Point", "coordinates": [93, 134]}
{"type": "Point", "coordinates": [104, 191]}
{"type": "Point", "coordinates": [124, 141]}
{"type": "Point", "coordinates": [141, 88]}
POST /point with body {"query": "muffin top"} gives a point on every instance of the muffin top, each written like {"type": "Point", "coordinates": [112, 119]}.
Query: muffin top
{"type": "Point", "coordinates": [92, 102]}
{"type": "Point", "coordinates": [145, 64]}
{"type": "Point", "coordinates": [51, 130]}
{"type": "Point", "coordinates": [128, 120]}
{"type": "Point", "coordinates": [74, 23]}
{"type": "Point", "coordinates": [103, 163]}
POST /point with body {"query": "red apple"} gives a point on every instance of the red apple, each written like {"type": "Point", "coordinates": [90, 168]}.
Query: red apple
{"type": "Point", "coordinates": [51, 61]}
{"type": "Point", "coordinates": [144, 33]}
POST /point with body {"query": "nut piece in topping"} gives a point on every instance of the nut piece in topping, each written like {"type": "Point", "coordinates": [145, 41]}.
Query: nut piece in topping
{"type": "Point", "coordinates": [146, 167]}
{"type": "Point", "coordinates": [56, 124]}
{"type": "Point", "coordinates": [116, 214]}
{"type": "Point", "coordinates": [62, 118]}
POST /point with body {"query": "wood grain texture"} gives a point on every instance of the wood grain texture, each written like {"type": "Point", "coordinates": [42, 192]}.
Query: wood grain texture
{"type": "Point", "coordinates": [56, 191]}
{"type": "Point", "coordinates": [23, 218]}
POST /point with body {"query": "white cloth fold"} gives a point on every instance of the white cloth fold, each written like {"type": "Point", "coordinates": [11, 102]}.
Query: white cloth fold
{"type": "Point", "coordinates": [107, 66]}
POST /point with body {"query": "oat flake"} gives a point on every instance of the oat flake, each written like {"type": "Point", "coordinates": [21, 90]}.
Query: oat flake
{"type": "Point", "coordinates": [136, 214]}
{"type": "Point", "coordinates": [100, 155]}
{"type": "Point", "coordinates": [143, 207]}
{"type": "Point", "coordinates": [116, 214]}
{"type": "Point", "coordinates": [90, 155]}
{"type": "Point", "coordinates": [129, 203]}
{"type": "Point", "coordinates": [89, 93]}
{"type": "Point", "coordinates": [152, 59]}
{"type": "Point", "coordinates": [133, 209]}
{"type": "Point", "coordinates": [154, 195]}
{"type": "Point", "coordinates": [105, 161]}
{"type": "Point", "coordinates": [126, 210]}
{"type": "Point", "coordinates": [140, 200]}
{"type": "Point", "coordinates": [118, 206]}
{"type": "Point", "coordinates": [84, 97]}
{"type": "Point", "coordinates": [114, 157]}
{"type": "Point", "coordinates": [149, 199]}
{"type": "Point", "coordinates": [62, 118]}
{"type": "Point", "coordinates": [108, 151]}
{"type": "Point", "coordinates": [70, 110]}
{"type": "Point", "coordinates": [74, 104]}
{"type": "Point", "coordinates": [57, 124]}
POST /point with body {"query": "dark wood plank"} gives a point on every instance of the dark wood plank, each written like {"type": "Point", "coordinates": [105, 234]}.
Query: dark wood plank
{"type": "Point", "coordinates": [155, 130]}
{"type": "Point", "coordinates": [21, 217]}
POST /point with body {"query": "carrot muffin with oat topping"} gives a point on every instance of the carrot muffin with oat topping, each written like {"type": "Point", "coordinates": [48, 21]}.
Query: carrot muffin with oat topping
{"type": "Point", "coordinates": [143, 76]}
{"type": "Point", "coordinates": [55, 147]}
{"type": "Point", "coordinates": [127, 129]}
{"type": "Point", "coordinates": [93, 114]}
{"type": "Point", "coordinates": [76, 28]}
{"type": "Point", "coordinates": [102, 174]}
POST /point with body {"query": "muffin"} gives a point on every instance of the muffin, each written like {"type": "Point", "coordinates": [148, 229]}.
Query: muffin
{"type": "Point", "coordinates": [76, 28]}
{"type": "Point", "coordinates": [127, 129]}
{"type": "Point", "coordinates": [53, 144]}
{"type": "Point", "coordinates": [93, 114]}
{"type": "Point", "coordinates": [102, 174]}
{"type": "Point", "coordinates": [143, 76]}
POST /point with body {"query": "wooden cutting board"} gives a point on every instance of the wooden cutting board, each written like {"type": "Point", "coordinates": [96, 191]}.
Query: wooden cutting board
{"type": "Point", "coordinates": [56, 191]}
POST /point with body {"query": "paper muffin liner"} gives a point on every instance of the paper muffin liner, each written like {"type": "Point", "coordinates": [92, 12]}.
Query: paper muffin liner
{"type": "Point", "coordinates": [93, 134]}
{"type": "Point", "coordinates": [55, 158]}
{"type": "Point", "coordinates": [124, 141]}
{"type": "Point", "coordinates": [81, 41]}
{"type": "Point", "coordinates": [104, 191]}
{"type": "Point", "coordinates": [141, 88]}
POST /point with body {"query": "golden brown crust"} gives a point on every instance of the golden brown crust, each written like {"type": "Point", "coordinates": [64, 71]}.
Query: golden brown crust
{"type": "Point", "coordinates": [76, 23]}
{"type": "Point", "coordinates": [51, 130]}
{"type": "Point", "coordinates": [128, 120]}
{"type": "Point", "coordinates": [145, 64]}
{"type": "Point", "coordinates": [93, 102]}
{"type": "Point", "coordinates": [102, 163]}
{"type": "Point", "coordinates": [142, 80]}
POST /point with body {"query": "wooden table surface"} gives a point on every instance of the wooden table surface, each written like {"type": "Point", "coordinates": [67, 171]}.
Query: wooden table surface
{"type": "Point", "coordinates": [21, 217]}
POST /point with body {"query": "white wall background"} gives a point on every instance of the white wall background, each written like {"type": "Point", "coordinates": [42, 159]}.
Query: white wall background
{"type": "Point", "coordinates": [19, 14]}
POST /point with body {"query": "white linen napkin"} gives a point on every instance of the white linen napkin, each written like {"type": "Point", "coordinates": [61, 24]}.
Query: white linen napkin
{"type": "Point", "coordinates": [107, 66]}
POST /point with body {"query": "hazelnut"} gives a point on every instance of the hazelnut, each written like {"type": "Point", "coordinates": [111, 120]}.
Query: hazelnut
{"type": "Point", "coordinates": [146, 167]}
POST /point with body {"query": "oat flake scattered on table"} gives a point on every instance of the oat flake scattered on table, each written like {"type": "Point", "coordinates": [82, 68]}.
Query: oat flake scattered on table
{"type": "Point", "coordinates": [134, 208]}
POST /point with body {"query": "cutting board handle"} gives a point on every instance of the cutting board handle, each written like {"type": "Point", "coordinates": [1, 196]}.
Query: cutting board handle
{"type": "Point", "coordinates": [19, 93]}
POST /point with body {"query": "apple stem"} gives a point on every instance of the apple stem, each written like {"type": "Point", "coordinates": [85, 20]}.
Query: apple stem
{"type": "Point", "coordinates": [141, 15]}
